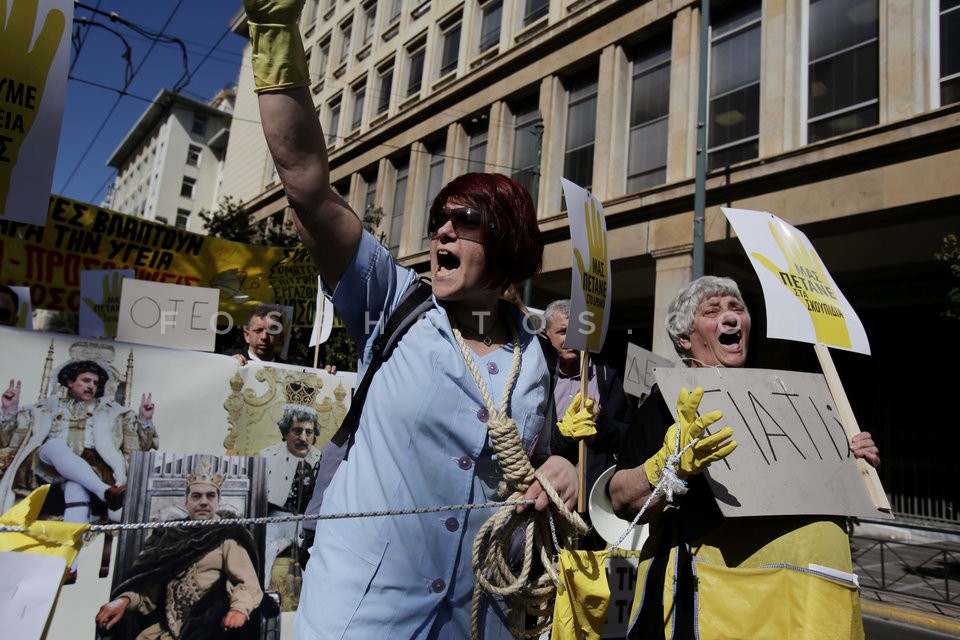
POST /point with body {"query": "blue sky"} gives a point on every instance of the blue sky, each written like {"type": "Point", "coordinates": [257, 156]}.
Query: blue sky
{"type": "Point", "coordinates": [97, 116]}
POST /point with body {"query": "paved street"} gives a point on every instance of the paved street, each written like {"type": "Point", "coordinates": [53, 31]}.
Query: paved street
{"type": "Point", "coordinates": [910, 587]}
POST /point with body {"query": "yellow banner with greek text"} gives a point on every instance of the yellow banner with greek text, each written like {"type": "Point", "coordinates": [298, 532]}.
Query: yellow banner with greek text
{"type": "Point", "coordinates": [80, 236]}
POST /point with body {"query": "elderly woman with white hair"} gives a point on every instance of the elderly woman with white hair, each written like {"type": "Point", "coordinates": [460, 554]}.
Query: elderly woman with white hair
{"type": "Point", "coordinates": [764, 563]}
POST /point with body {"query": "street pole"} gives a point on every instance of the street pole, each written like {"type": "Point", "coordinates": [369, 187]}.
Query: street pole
{"type": "Point", "coordinates": [535, 194]}
{"type": "Point", "coordinates": [700, 191]}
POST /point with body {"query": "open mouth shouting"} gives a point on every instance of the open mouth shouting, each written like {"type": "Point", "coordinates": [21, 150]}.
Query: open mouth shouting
{"type": "Point", "coordinates": [447, 263]}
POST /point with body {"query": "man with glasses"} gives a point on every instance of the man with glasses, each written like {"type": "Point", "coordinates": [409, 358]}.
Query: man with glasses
{"type": "Point", "coordinates": [291, 472]}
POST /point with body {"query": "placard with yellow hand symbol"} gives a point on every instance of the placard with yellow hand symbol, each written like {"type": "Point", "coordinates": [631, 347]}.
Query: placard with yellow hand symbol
{"type": "Point", "coordinates": [802, 300]}
{"type": "Point", "coordinates": [590, 290]}
{"type": "Point", "coordinates": [34, 54]}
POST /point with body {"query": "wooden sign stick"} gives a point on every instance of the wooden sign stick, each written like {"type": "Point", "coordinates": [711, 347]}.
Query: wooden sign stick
{"type": "Point", "coordinates": [850, 426]}
{"type": "Point", "coordinates": [582, 465]}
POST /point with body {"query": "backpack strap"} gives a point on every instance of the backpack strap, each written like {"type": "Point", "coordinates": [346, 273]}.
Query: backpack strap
{"type": "Point", "coordinates": [416, 301]}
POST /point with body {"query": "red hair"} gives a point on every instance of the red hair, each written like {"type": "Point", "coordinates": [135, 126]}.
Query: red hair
{"type": "Point", "coordinates": [513, 245]}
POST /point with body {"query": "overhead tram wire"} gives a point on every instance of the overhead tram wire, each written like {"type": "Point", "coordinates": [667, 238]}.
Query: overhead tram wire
{"type": "Point", "coordinates": [120, 93]}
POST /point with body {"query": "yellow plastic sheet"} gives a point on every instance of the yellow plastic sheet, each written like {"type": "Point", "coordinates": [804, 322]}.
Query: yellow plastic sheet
{"type": "Point", "coordinates": [47, 537]}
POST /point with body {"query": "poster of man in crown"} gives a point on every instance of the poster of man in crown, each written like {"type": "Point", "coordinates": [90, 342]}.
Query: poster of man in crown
{"type": "Point", "coordinates": [104, 403]}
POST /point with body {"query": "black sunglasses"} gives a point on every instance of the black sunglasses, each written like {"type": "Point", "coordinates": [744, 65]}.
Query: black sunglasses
{"type": "Point", "coordinates": [465, 219]}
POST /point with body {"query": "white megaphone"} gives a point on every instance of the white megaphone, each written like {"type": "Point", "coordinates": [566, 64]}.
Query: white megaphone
{"type": "Point", "coordinates": [611, 527]}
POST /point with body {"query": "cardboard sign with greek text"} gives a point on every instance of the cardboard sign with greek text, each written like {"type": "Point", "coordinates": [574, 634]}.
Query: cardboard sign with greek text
{"type": "Point", "coordinates": [792, 456]}
{"type": "Point", "coordinates": [168, 315]}
{"type": "Point", "coordinates": [100, 301]}
{"type": "Point", "coordinates": [638, 376]}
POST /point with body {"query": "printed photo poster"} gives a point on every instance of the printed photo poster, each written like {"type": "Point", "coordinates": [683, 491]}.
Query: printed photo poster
{"type": "Point", "coordinates": [590, 289]}
{"type": "Point", "coordinates": [802, 300]}
{"type": "Point", "coordinates": [34, 56]}
{"type": "Point", "coordinates": [194, 402]}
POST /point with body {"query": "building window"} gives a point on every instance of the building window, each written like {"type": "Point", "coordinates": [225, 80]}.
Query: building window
{"type": "Point", "coordinates": [160, 219]}
{"type": "Point", "coordinates": [491, 15]}
{"type": "Point", "coordinates": [309, 19]}
{"type": "Point", "coordinates": [199, 125]}
{"type": "Point", "coordinates": [384, 89]}
{"type": "Point", "coordinates": [359, 98]}
{"type": "Point", "coordinates": [193, 155]}
{"type": "Point", "coordinates": [370, 196]}
{"type": "Point", "coordinates": [318, 70]}
{"type": "Point", "coordinates": [844, 67]}
{"type": "Point", "coordinates": [533, 10]}
{"type": "Point", "coordinates": [450, 49]}
{"type": "Point", "coordinates": [333, 125]}
{"type": "Point", "coordinates": [434, 184]}
{"type": "Point", "coordinates": [344, 51]}
{"type": "Point", "coordinates": [733, 129]}
{"type": "Point", "coordinates": [527, 134]}
{"type": "Point", "coordinates": [477, 134]}
{"type": "Point", "coordinates": [581, 129]}
{"type": "Point", "coordinates": [183, 218]}
{"type": "Point", "coordinates": [949, 51]}
{"type": "Point", "coordinates": [394, 11]}
{"type": "Point", "coordinates": [415, 58]}
{"type": "Point", "coordinates": [649, 109]}
{"type": "Point", "coordinates": [396, 215]}
{"type": "Point", "coordinates": [187, 187]}
{"type": "Point", "coordinates": [368, 22]}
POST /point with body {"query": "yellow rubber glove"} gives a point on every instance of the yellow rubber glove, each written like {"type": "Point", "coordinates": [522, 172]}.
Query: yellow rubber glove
{"type": "Point", "coordinates": [24, 72]}
{"type": "Point", "coordinates": [578, 423]}
{"type": "Point", "coordinates": [697, 457]}
{"type": "Point", "coordinates": [278, 59]}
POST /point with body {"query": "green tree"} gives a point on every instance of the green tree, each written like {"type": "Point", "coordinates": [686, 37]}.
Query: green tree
{"type": "Point", "coordinates": [949, 254]}
{"type": "Point", "coordinates": [232, 222]}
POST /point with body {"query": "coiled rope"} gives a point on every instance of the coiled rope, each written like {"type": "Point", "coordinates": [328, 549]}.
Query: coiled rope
{"type": "Point", "coordinates": [525, 591]}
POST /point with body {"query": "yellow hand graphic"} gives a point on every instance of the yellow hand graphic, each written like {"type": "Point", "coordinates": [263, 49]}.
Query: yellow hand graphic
{"type": "Point", "coordinates": [593, 276]}
{"type": "Point", "coordinates": [108, 310]}
{"type": "Point", "coordinates": [807, 279]}
{"type": "Point", "coordinates": [238, 287]}
{"type": "Point", "coordinates": [23, 75]}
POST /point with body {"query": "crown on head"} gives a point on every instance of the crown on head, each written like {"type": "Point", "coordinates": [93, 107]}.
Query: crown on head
{"type": "Point", "coordinates": [204, 473]}
{"type": "Point", "coordinates": [300, 393]}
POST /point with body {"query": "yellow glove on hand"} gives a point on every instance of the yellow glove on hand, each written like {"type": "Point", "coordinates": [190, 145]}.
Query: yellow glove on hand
{"type": "Point", "coordinates": [278, 59]}
{"type": "Point", "coordinates": [697, 457]}
{"type": "Point", "coordinates": [578, 423]}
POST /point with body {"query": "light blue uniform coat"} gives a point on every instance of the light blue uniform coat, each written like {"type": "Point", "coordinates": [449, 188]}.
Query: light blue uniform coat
{"type": "Point", "coordinates": [422, 442]}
